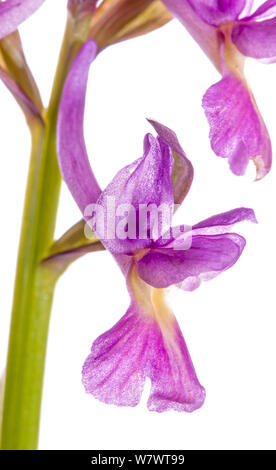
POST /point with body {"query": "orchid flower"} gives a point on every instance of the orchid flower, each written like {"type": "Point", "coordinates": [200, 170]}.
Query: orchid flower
{"type": "Point", "coordinates": [228, 33]}
{"type": "Point", "coordinates": [147, 341]}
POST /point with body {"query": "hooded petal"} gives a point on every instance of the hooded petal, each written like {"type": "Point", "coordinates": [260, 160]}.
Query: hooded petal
{"type": "Point", "coordinates": [183, 172]}
{"type": "Point", "coordinates": [138, 187]}
{"type": "Point", "coordinates": [217, 12]}
{"type": "Point", "coordinates": [14, 12]}
{"type": "Point", "coordinates": [146, 342]}
{"type": "Point", "coordinates": [237, 130]}
{"type": "Point", "coordinates": [169, 265]}
{"type": "Point", "coordinates": [73, 160]}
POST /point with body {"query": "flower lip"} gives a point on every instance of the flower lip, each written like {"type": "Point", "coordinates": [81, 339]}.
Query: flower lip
{"type": "Point", "coordinates": [146, 342]}
{"type": "Point", "coordinates": [237, 129]}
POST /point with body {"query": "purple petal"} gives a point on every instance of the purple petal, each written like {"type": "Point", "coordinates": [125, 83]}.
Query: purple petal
{"type": "Point", "coordinates": [256, 39]}
{"type": "Point", "coordinates": [14, 12]}
{"type": "Point", "coordinates": [180, 238]}
{"type": "Point", "coordinates": [163, 267]}
{"type": "Point", "coordinates": [146, 342]}
{"type": "Point", "coordinates": [225, 221]}
{"type": "Point", "coordinates": [237, 130]}
{"type": "Point", "coordinates": [267, 9]}
{"type": "Point", "coordinates": [146, 182]}
{"type": "Point", "coordinates": [183, 172]}
{"type": "Point", "coordinates": [217, 12]}
{"type": "Point", "coordinates": [73, 160]}
{"type": "Point", "coordinates": [204, 34]}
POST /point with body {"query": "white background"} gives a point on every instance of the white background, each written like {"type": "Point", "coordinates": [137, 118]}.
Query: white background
{"type": "Point", "coordinates": [228, 323]}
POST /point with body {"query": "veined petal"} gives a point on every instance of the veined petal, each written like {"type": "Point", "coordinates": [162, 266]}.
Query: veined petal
{"type": "Point", "coordinates": [14, 12]}
{"type": "Point", "coordinates": [237, 130]}
{"type": "Point", "coordinates": [267, 9]}
{"type": "Point", "coordinates": [166, 266]}
{"type": "Point", "coordinates": [146, 342]}
{"type": "Point", "coordinates": [180, 237]}
{"type": "Point", "coordinates": [217, 12]}
{"type": "Point", "coordinates": [204, 34]}
{"type": "Point", "coordinates": [183, 172]}
{"type": "Point", "coordinates": [138, 187]}
{"type": "Point", "coordinates": [73, 159]}
{"type": "Point", "coordinates": [224, 221]}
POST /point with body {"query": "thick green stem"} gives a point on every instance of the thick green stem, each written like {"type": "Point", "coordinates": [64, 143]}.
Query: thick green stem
{"type": "Point", "coordinates": [34, 285]}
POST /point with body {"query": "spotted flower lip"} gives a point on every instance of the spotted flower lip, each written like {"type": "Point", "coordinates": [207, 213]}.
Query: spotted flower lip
{"type": "Point", "coordinates": [233, 32]}
{"type": "Point", "coordinates": [147, 341]}
{"type": "Point", "coordinates": [14, 12]}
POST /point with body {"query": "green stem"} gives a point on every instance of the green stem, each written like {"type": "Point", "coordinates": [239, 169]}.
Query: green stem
{"type": "Point", "coordinates": [35, 282]}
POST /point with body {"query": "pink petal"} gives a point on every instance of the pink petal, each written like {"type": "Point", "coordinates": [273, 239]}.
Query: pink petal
{"type": "Point", "coordinates": [146, 181]}
{"type": "Point", "coordinates": [183, 172]}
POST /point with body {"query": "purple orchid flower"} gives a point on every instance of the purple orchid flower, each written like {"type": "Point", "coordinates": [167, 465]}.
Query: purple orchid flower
{"type": "Point", "coordinates": [228, 33]}
{"type": "Point", "coordinates": [14, 12]}
{"type": "Point", "coordinates": [147, 341]}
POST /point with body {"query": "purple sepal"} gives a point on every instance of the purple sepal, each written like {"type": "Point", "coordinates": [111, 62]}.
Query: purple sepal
{"type": "Point", "coordinates": [183, 172]}
{"type": "Point", "coordinates": [14, 12]}
{"type": "Point", "coordinates": [72, 155]}
{"type": "Point", "coordinates": [145, 182]}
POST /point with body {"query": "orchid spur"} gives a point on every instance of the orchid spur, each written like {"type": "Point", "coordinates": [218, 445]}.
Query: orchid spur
{"type": "Point", "coordinates": [228, 32]}
{"type": "Point", "coordinates": [147, 341]}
